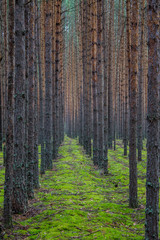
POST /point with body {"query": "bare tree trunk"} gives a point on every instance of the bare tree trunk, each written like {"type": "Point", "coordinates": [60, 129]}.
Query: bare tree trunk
{"type": "Point", "coordinates": [94, 82]}
{"type": "Point", "coordinates": [41, 99]}
{"type": "Point", "coordinates": [31, 79]}
{"type": "Point", "coordinates": [152, 181]}
{"type": "Point", "coordinates": [100, 86]}
{"type": "Point", "coordinates": [140, 87]}
{"type": "Point", "coordinates": [48, 84]}
{"type": "Point", "coordinates": [133, 107]}
{"type": "Point", "coordinates": [110, 76]}
{"type": "Point", "coordinates": [8, 186]}
{"type": "Point", "coordinates": [36, 163]}
{"type": "Point", "coordinates": [19, 196]}
{"type": "Point", "coordinates": [105, 166]}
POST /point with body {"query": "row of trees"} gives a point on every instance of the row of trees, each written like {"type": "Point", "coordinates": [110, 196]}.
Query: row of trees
{"type": "Point", "coordinates": [84, 63]}
{"type": "Point", "coordinates": [32, 96]}
{"type": "Point", "coordinates": [112, 46]}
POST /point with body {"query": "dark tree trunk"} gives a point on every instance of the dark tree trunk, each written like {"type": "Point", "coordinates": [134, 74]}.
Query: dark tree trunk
{"type": "Point", "coordinates": [48, 85]}
{"type": "Point", "coordinates": [105, 89]}
{"type": "Point", "coordinates": [41, 100]}
{"type": "Point", "coordinates": [133, 108]}
{"type": "Point", "coordinates": [35, 168]}
{"type": "Point", "coordinates": [1, 73]}
{"type": "Point", "coordinates": [26, 88]}
{"type": "Point", "coordinates": [31, 80]}
{"type": "Point", "coordinates": [110, 75]}
{"type": "Point", "coordinates": [19, 196]}
{"type": "Point", "coordinates": [100, 86]}
{"type": "Point", "coordinates": [152, 181]}
{"type": "Point", "coordinates": [94, 82]}
{"type": "Point", "coordinates": [10, 122]}
{"type": "Point", "coordinates": [57, 73]}
{"type": "Point", "coordinates": [140, 88]}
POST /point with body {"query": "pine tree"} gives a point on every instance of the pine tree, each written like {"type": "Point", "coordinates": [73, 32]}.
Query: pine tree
{"type": "Point", "coordinates": [152, 181]}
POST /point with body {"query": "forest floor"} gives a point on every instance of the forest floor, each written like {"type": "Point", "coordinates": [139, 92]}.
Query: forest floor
{"type": "Point", "coordinates": [76, 201]}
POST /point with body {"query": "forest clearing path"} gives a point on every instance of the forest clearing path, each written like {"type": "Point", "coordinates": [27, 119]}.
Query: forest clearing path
{"type": "Point", "coordinates": [75, 201]}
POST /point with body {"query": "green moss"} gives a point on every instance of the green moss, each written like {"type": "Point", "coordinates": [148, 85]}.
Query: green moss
{"type": "Point", "coordinates": [77, 201]}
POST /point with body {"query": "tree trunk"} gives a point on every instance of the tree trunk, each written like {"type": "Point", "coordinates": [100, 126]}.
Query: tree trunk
{"type": "Point", "coordinates": [133, 108]}
{"type": "Point", "coordinates": [8, 186]}
{"type": "Point", "coordinates": [31, 80]}
{"type": "Point", "coordinates": [100, 86]}
{"type": "Point", "coordinates": [19, 196]}
{"type": "Point", "coordinates": [48, 85]}
{"type": "Point", "coordinates": [152, 181]}
{"type": "Point", "coordinates": [140, 86]}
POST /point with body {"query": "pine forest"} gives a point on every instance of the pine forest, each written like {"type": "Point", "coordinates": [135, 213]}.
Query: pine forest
{"type": "Point", "coordinates": [79, 119]}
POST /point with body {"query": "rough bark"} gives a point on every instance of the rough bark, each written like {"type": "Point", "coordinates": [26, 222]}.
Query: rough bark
{"type": "Point", "coordinates": [110, 76]}
{"type": "Point", "coordinates": [48, 85]}
{"type": "Point", "coordinates": [100, 86]}
{"type": "Point", "coordinates": [133, 107]}
{"type": "Point", "coordinates": [31, 80]}
{"type": "Point", "coordinates": [10, 122]}
{"type": "Point", "coordinates": [94, 82]}
{"type": "Point", "coordinates": [152, 181]}
{"type": "Point", "coordinates": [105, 166]}
{"type": "Point", "coordinates": [19, 195]}
{"type": "Point", "coordinates": [140, 87]}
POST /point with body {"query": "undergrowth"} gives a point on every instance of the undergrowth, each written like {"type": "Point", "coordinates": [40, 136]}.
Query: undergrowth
{"type": "Point", "coordinates": [76, 201]}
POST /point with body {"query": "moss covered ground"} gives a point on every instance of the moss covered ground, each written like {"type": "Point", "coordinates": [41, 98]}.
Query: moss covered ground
{"type": "Point", "coordinates": [76, 201]}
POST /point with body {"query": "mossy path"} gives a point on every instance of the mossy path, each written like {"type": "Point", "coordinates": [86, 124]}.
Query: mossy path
{"type": "Point", "coordinates": [76, 201]}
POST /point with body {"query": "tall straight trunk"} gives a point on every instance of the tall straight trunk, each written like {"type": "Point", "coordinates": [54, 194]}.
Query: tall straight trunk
{"type": "Point", "coordinates": [128, 36]}
{"type": "Point", "coordinates": [94, 82]}
{"type": "Point", "coordinates": [84, 59]}
{"type": "Point", "coordinates": [41, 100]}
{"type": "Point", "coordinates": [48, 84]}
{"type": "Point", "coordinates": [4, 82]}
{"type": "Point", "coordinates": [31, 80]}
{"type": "Point", "coordinates": [19, 195]}
{"type": "Point", "coordinates": [110, 76]}
{"type": "Point", "coordinates": [1, 73]}
{"type": "Point", "coordinates": [100, 86]}
{"type": "Point", "coordinates": [88, 86]}
{"type": "Point", "coordinates": [126, 106]}
{"type": "Point", "coordinates": [86, 76]}
{"type": "Point", "coordinates": [152, 181]}
{"type": "Point", "coordinates": [26, 87]}
{"type": "Point", "coordinates": [105, 88]}
{"type": "Point", "coordinates": [10, 122]}
{"type": "Point", "coordinates": [4, 87]}
{"type": "Point", "coordinates": [140, 87]}
{"type": "Point", "coordinates": [53, 82]}
{"type": "Point", "coordinates": [133, 107]}
{"type": "Point", "coordinates": [57, 71]}
{"type": "Point", "coordinates": [36, 168]}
